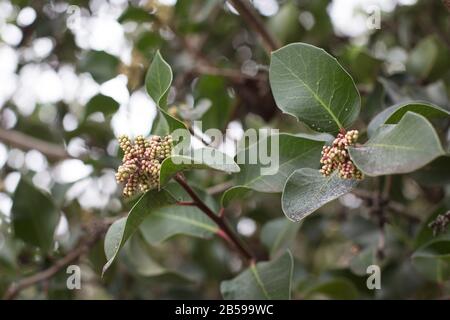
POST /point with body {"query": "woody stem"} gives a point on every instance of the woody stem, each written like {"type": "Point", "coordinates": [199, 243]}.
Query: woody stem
{"type": "Point", "coordinates": [225, 230]}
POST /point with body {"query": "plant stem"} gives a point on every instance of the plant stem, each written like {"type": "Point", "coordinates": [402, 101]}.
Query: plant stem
{"type": "Point", "coordinates": [225, 231]}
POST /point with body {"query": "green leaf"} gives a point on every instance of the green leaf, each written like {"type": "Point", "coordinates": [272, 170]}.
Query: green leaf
{"type": "Point", "coordinates": [362, 65]}
{"type": "Point", "coordinates": [436, 173]}
{"type": "Point", "coordinates": [135, 14]}
{"type": "Point", "coordinates": [122, 229]}
{"type": "Point", "coordinates": [34, 215]}
{"type": "Point", "coordinates": [400, 148]}
{"type": "Point", "coordinates": [214, 89]}
{"type": "Point", "coordinates": [311, 85]}
{"type": "Point", "coordinates": [429, 59]}
{"type": "Point", "coordinates": [101, 65]}
{"type": "Point", "coordinates": [363, 259]}
{"type": "Point", "coordinates": [433, 259]}
{"type": "Point", "coordinates": [165, 124]}
{"type": "Point", "coordinates": [167, 222]}
{"type": "Point", "coordinates": [204, 158]}
{"type": "Point", "coordinates": [138, 256]}
{"type": "Point", "coordinates": [337, 288]}
{"type": "Point", "coordinates": [294, 152]}
{"type": "Point", "coordinates": [101, 103]}
{"type": "Point", "coordinates": [262, 281]}
{"type": "Point", "coordinates": [278, 234]}
{"type": "Point", "coordinates": [307, 190]}
{"type": "Point", "coordinates": [393, 114]}
{"type": "Point", "coordinates": [158, 80]}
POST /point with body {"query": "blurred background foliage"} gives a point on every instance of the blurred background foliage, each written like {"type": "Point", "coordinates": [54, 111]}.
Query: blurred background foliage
{"type": "Point", "coordinates": [71, 80]}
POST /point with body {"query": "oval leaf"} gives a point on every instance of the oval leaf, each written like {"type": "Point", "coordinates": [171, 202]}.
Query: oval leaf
{"type": "Point", "coordinates": [167, 222]}
{"type": "Point", "coordinates": [158, 80]}
{"type": "Point", "coordinates": [34, 216]}
{"type": "Point", "coordinates": [307, 190]}
{"type": "Point", "coordinates": [293, 152]}
{"type": "Point", "coordinates": [401, 148]}
{"type": "Point", "coordinates": [278, 234]}
{"type": "Point", "coordinates": [262, 281]}
{"type": "Point", "coordinates": [311, 85]}
{"type": "Point", "coordinates": [393, 114]}
{"type": "Point", "coordinates": [121, 230]}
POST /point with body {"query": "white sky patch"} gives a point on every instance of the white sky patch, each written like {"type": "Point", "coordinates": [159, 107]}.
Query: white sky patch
{"type": "Point", "coordinates": [36, 161]}
{"type": "Point", "coordinates": [5, 204]}
{"type": "Point", "coordinates": [42, 47]}
{"type": "Point", "coordinates": [11, 34]}
{"type": "Point", "coordinates": [38, 83]}
{"type": "Point", "coordinates": [8, 59]}
{"type": "Point", "coordinates": [62, 227]}
{"type": "Point", "coordinates": [107, 182]}
{"type": "Point", "coordinates": [26, 16]}
{"type": "Point", "coordinates": [8, 79]}
{"type": "Point", "coordinates": [76, 147]}
{"type": "Point", "coordinates": [168, 2]}
{"type": "Point", "coordinates": [3, 155]}
{"type": "Point", "coordinates": [16, 158]}
{"type": "Point", "coordinates": [136, 117]}
{"type": "Point", "coordinates": [11, 181]}
{"type": "Point", "coordinates": [266, 7]}
{"type": "Point", "coordinates": [9, 118]}
{"type": "Point", "coordinates": [246, 227]}
{"type": "Point", "coordinates": [116, 88]}
{"type": "Point", "coordinates": [92, 198]}
{"type": "Point", "coordinates": [70, 122]}
{"type": "Point", "coordinates": [349, 17]}
{"type": "Point", "coordinates": [71, 170]}
{"type": "Point", "coordinates": [43, 179]}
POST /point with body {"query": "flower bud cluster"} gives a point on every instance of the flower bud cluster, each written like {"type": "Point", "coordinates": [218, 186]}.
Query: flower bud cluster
{"type": "Point", "coordinates": [141, 162]}
{"type": "Point", "coordinates": [336, 157]}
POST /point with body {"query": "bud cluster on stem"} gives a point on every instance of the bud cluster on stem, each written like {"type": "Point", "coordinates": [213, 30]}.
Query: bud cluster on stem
{"type": "Point", "coordinates": [336, 157]}
{"type": "Point", "coordinates": [141, 162]}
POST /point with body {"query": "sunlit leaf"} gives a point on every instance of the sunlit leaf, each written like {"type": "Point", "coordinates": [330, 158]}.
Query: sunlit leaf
{"type": "Point", "coordinates": [399, 148]}
{"type": "Point", "coordinates": [311, 85]}
{"type": "Point", "coordinates": [121, 230]}
{"type": "Point", "coordinates": [294, 152]}
{"type": "Point", "coordinates": [262, 281]}
{"type": "Point", "coordinates": [307, 190]}
{"type": "Point", "coordinates": [393, 114]}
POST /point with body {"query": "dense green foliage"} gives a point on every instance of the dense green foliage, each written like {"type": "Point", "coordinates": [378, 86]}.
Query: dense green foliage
{"type": "Point", "coordinates": [225, 230]}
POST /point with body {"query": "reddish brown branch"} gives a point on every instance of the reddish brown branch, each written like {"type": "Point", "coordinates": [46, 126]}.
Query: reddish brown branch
{"type": "Point", "coordinates": [225, 231]}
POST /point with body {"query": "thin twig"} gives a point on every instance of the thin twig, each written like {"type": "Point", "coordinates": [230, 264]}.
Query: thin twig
{"type": "Point", "coordinates": [252, 18]}
{"type": "Point", "coordinates": [22, 141]}
{"type": "Point", "coordinates": [15, 288]}
{"type": "Point", "coordinates": [225, 231]}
